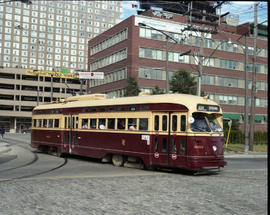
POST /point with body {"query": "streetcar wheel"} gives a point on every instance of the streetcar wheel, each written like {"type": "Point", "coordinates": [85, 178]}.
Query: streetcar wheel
{"type": "Point", "coordinates": [117, 160]}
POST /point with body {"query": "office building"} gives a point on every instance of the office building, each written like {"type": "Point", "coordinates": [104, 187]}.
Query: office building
{"type": "Point", "coordinates": [137, 47]}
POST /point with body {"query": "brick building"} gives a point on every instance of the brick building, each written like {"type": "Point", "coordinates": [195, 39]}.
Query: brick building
{"type": "Point", "coordinates": [131, 49]}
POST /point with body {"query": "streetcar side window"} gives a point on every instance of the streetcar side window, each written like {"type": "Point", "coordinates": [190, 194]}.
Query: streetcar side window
{"type": "Point", "coordinates": [164, 123]}
{"type": "Point", "coordinates": [73, 122]}
{"type": "Point", "coordinates": [84, 123]}
{"type": "Point", "coordinates": [35, 123]}
{"type": "Point", "coordinates": [111, 123]}
{"type": "Point", "coordinates": [93, 123]}
{"type": "Point", "coordinates": [50, 123]}
{"type": "Point", "coordinates": [65, 122]}
{"type": "Point", "coordinates": [102, 123]}
{"type": "Point", "coordinates": [121, 123]}
{"type": "Point", "coordinates": [69, 123]}
{"type": "Point", "coordinates": [183, 123]}
{"type": "Point", "coordinates": [143, 124]}
{"type": "Point", "coordinates": [132, 123]}
{"type": "Point", "coordinates": [39, 122]}
{"type": "Point", "coordinates": [174, 122]}
{"type": "Point", "coordinates": [156, 123]}
{"type": "Point", "coordinates": [77, 122]}
{"type": "Point", "coordinates": [44, 123]}
{"type": "Point", "coordinates": [56, 123]}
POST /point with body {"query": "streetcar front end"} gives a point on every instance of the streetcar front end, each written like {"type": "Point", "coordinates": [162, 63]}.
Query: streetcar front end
{"type": "Point", "coordinates": [205, 142]}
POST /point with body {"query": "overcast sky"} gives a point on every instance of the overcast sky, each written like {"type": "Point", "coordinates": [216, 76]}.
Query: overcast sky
{"type": "Point", "coordinates": [243, 9]}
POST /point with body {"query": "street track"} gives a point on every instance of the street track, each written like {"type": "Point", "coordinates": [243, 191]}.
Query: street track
{"type": "Point", "coordinates": [30, 163]}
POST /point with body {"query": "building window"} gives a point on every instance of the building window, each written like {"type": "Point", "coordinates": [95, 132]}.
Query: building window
{"type": "Point", "coordinates": [151, 73]}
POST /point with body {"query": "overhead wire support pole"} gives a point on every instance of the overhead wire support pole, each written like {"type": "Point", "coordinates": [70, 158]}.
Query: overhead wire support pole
{"type": "Point", "coordinates": [253, 89]}
{"type": "Point", "coordinates": [246, 96]}
{"type": "Point", "coordinates": [199, 83]}
{"type": "Point", "coordinates": [167, 65]}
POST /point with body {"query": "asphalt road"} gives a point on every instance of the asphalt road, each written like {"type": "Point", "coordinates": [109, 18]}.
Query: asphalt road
{"type": "Point", "coordinates": [34, 183]}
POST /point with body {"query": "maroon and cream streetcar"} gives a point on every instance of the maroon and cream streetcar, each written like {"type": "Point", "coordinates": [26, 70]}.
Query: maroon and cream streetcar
{"type": "Point", "coordinates": [171, 130]}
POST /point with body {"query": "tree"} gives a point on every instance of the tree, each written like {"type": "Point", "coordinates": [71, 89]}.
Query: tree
{"type": "Point", "coordinates": [132, 88]}
{"type": "Point", "coordinates": [183, 82]}
{"type": "Point", "coordinates": [156, 90]}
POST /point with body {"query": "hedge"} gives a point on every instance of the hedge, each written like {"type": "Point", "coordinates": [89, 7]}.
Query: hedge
{"type": "Point", "coordinates": [238, 137]}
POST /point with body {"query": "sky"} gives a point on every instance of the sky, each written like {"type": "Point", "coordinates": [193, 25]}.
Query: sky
{"type": "Point", "coordinates": [243, 9]}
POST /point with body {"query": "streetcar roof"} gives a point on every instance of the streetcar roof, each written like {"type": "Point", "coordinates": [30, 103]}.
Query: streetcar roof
{"type": "Point", "coordinates": [189, 101]}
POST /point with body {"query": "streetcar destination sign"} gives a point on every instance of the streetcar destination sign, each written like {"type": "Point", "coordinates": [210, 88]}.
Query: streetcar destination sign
{"type": "Point", "coordinates": [91, 75]}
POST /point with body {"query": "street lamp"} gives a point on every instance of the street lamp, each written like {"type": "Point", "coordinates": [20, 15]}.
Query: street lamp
{"type": "Point", "coordinates": [167, 40]}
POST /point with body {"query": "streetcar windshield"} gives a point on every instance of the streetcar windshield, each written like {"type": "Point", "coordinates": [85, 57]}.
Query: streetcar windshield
{"type": "Point", "coordinates": [213, 122]}
{"type": "Point", "coordinates": [205, 123]}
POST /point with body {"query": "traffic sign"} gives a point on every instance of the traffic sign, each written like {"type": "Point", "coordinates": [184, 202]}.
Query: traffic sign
{"type": "Point", "coordinates": [91, 75]}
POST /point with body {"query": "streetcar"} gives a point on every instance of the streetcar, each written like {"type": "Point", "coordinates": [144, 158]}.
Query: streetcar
{"type": "Point", "coordinates": [175, 131]}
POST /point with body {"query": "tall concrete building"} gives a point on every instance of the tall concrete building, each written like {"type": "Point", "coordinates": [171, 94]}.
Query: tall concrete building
{"type": "Point", "coordinates": [46, 37]}
{"type": "Point", "coordinates": [52, 35]}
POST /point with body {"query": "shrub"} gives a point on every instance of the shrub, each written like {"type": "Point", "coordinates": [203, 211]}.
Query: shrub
{"type": "Point", "coordinates": [238, 137]}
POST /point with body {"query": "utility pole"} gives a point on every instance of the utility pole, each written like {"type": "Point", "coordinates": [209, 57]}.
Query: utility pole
{"type": "Point", "coordinates": [253, 92]}
{"type": "Point", "coordinates": [246, 95]}
{"type": "Point", "coordinates": [199, 83]}
{"type": "Point", "coordinates": [167, 64]}
{"type": "Point", "coordinates": [199, 12]}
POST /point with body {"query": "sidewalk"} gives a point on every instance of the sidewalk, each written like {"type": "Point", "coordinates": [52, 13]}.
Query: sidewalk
{"type": "Point", "coordinates": [243, 155]}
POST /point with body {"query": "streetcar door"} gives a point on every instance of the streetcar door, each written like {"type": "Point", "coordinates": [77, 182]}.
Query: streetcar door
{"type": "Point", "coordinates": [70, 136]}
{"type": "Point", "coordinates": [161, 139]}
{"type": "Point", "coordinates": [67, 124]}
{"type": "Point", "coordinates": [178, 139]}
